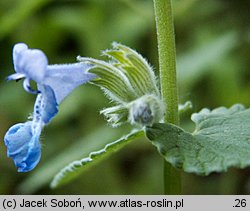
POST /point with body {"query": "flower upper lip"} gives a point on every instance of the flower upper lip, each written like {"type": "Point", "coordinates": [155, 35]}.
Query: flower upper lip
{"type": "Point", "coordinates": [30, 64]}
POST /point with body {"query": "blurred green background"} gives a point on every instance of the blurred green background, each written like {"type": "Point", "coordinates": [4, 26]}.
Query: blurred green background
{"type": "Point", "coordinates": [213, 51]}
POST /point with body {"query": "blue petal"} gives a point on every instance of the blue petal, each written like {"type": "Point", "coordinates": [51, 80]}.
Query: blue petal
{"type": "Point", "coordinates": [27, 87]}
{"type": "Point", "coordinates": [63, 79]}
{"type": "Point", "coordinates": [15, 76]}
{"type": "Point", "coordinates": [17, 54]}
{"type": "Point", "coordinates": [33, 156]}
{"type": "Point", "coordinates": [31, 62]}
{"type": "Point", "coordinates": [46, 106]}
{"type": "Point", "coordinates": [23, 146]}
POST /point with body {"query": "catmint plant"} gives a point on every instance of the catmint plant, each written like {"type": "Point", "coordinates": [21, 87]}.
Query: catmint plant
{"type": "Point", "coordinates": [54, 83]}
{"type": "Point", "coordinates": [219, 141]}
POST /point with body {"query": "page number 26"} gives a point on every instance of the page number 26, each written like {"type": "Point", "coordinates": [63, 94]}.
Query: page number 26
{"type": "Point", "coordinates": [240, 203]}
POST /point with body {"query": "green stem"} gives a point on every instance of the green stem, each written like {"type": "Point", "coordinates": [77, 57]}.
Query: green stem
{"type": "Point", "coordinates": [167, 63]}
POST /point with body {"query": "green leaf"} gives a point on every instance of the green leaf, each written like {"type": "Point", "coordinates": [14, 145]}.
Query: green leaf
{"type": "Point", "coordinates": [193, 65]}
{"type": "Point", "coordinates": [21, 11]}
{"type": "Point", "coordinates": [183, 108]}
{"type": "Point", "coordinates": [74, 169]}
{"type": "Point", "coordinates": [221, 140]}
{"type": "Point", "coordinates": [42, 176]}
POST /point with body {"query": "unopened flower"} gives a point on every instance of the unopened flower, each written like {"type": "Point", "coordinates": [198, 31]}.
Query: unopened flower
{"type": "Point", "coordinates": [130, 82]}
{"type": "Point", "coordinates": [54, 83]}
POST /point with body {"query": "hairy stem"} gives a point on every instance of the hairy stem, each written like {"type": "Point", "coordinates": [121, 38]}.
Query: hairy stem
{"type": "Point", "coordinates": [167, 64]}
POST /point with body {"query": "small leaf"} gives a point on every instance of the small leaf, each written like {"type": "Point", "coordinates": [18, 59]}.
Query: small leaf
{"type": "Point", "coordinates": [221, 140]}
{"type": "Point", "coordinates": [183, 108]}
{"type": "Point", "coordinates": [73, 170]}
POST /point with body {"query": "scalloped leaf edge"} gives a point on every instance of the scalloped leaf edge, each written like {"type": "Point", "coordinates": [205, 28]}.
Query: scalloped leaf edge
{"type": "Point", "coordinates": [73, 169]}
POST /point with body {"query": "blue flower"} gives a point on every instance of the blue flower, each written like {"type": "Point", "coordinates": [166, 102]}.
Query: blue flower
{"type": "Point", "coordinates": [23, 146]}
{"type": "Point", "coordinates": [54, 83]}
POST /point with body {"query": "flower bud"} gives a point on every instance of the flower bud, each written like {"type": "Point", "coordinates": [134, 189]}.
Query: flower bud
{"type": "Point", "coordinates": [146, 110]}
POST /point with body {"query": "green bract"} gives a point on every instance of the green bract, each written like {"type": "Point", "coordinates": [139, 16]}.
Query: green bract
{"type": "Point", "coordinates": [129, 81]}
{"type": "Point", "coordinates": [221, 140]}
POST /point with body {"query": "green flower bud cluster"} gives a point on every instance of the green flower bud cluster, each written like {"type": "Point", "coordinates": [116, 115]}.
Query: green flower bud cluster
{"type": "Point", "coordinates": [129, 81]}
